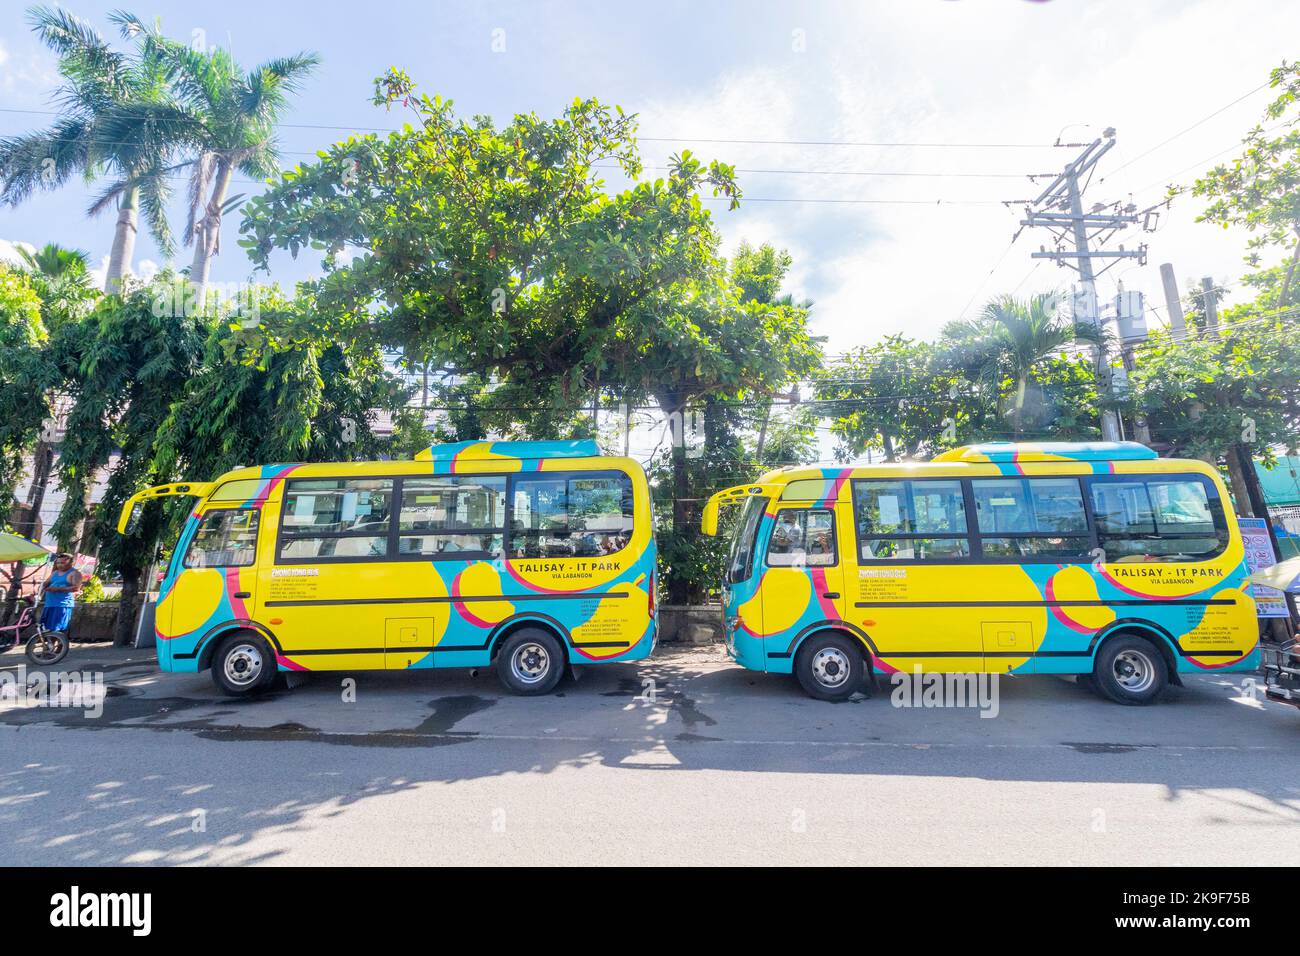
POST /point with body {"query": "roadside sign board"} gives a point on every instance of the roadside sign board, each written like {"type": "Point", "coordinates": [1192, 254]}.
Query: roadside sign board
{"type": "Point", "coordinates": [1269, 602]}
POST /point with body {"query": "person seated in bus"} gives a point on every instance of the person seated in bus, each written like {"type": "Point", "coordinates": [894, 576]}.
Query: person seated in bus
{"type": "Point", "coordinates": [819, 542]}
{"type": "Point", "coordinates": [587, 545]}
{"type": "Point", "coordinates": [787, 536]}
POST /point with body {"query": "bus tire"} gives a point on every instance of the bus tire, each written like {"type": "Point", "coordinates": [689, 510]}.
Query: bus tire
{"type": "Point", "coordinates": [243, 665]}
{"type": "Point", "coordinates": [530, 662]}
{"type": "Point", "coordinates": [830, 667]}
{"type": "Point", "coordinates": [1130, 670]}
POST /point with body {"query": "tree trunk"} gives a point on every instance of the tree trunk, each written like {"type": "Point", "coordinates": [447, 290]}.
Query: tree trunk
{"type": "Point", "coordinates": [42, 465]}
{"type": "Point", "coordinates": [1254, 488]}
{"type": "Point", "coordinates": [124, 627]}
{"type": "Point", "coordinates": [1237, 478]}
{"type": "Point", "coordinates": [1290, 272]}
{"type": "Point", "coordinates": [678, 586]}
{"type": "Point", "coordinates": [207, 233]}
{"type": "Point", "coordinates": [762, 433]}
{"type": "Point", "coordinates": [78, 543]}
{"type": "Point", "coordinates": [1018, 409]}
{"type": "Point", "coordinates": [119, 260]}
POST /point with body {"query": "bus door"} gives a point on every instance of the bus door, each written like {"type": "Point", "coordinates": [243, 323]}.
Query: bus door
{"type": "Point", "coordinates": [914, 590]}
{"type": "Point", "coordinates": [330, 585]}
{"type": "Point", "coordinates": [803, 577]}
{"type": "Point", "coordinates": [215, 577]}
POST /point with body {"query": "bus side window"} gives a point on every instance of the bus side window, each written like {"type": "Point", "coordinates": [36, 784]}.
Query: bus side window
{"type": "Point", "coordinates": [1158, 519]}
{"type": "Point", "coordinates": [905, 520]}
{"type": "Point", "coordinates": [1035, 518]}
{"type": "Point", "coordinates": [581, 514]}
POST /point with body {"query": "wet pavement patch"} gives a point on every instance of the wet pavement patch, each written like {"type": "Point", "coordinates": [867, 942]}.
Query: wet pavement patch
{"type": "Point", "coordinates": [690, 711]}
{"type": "Point", "coordinates": [1101, 748]}
{"type": "Point", "coordinates": [627, 687]}
{"type": "Point", "coordinates": [449, 711]}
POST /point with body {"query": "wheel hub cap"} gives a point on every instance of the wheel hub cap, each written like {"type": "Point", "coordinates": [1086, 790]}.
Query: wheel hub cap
{"type": "Point", "coordinates": [830, 667]}
{"type": "Point", "coordinates": [243, 664]}
{"type": "Point", "coordinates": [530, 663]}
{"type": "Point", "coordinates": [1134, 671]}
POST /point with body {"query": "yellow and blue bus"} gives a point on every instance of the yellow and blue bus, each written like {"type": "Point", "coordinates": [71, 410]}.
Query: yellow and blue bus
{"type": "Point", "coordinates": [533, 556]}
{"type": "Point", "coordinates": [1095, 559]}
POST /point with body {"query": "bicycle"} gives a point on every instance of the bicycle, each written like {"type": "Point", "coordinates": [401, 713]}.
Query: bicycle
{"type": "Point", "coordinates": [44, 647]}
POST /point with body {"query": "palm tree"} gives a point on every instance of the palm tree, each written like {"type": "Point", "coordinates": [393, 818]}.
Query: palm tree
{"type": "Point", "coordinates": [117, 119]}
{"type": "Point", "coordinates": [1012, 337]}
{"type": "Point", "coordinates": [233, 117]}
{"type": "Point", "coordinates": [56, 261]}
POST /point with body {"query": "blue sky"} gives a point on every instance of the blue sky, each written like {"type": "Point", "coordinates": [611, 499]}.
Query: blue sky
{"type": "Point", "coordinates": [873, 258]}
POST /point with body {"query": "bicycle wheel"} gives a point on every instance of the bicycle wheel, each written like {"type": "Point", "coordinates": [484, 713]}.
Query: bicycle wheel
{"type": "Point", "coordinates": [47, 647]}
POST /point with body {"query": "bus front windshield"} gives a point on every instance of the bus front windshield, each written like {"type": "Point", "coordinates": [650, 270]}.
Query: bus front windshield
{"type": "Point", "coordinates": [740, 559]}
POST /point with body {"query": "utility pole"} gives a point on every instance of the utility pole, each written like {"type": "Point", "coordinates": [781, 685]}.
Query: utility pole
{"type": "Point", "coordinates": [1131, 321]}
{"type": "Point", "coordinates": [1210, 300]}
{"type": "Point", "coordinates": [1059, 209]}
{"type": "Point", "coordinates": [1177, 324]}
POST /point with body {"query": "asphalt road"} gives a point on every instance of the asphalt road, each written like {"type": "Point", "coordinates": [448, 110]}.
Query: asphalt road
{"type": "Point", "coordinates": [713, 765]}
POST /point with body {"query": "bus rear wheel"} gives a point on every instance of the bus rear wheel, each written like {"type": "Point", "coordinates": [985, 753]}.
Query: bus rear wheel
{"type": "Point", "coordinates": [1129, 670]}
{"type": "Point", "coordinates": [830, 667]}
{"type": "Point", "coordinates": [243, 665]}
{"type": "Point", "coordinates": [531, 662]}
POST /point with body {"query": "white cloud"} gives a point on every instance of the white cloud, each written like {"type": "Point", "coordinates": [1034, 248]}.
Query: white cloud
{"type": "Point", "coordinates": [144, 270]}
{"type": "Point", "coordinates": [9, 251]}
{"type": "Point", "coordinates": [967, 73]}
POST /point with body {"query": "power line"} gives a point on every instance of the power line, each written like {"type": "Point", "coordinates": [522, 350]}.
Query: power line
{"type": "Point", "coordinates": [1200, 164]}
{"type": "Point", "coordinates": [799, 142]}
{"type": "Point", "coordinates": [668, 139]}
{"type": "Point", "coordinates": [847, 172]}
{"type": "Point", "coordinates": [938, 201]}
{"type": "Point", "coordinates": [1182, 132]}
{"type": "Point", "coordinates": [988, 275]}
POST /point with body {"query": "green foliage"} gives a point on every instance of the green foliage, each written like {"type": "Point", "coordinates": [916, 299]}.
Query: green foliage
{"type": "Point", "coordinates": [1017, 340]}
{"type": "Point", "coordinates": [92, 591]}
{"type": "Point", "coordinates": [26, 375]}
{"type": "Point", "coordinates": [897, 397]}
{"type": "Point", "coordinates": [61, 277]}
{"type": "Point", "coordinates": [1260, 189]}
{"type": "Point", "coordinates": [274, 394]}
{"type": "Point", "coordinates": [719, 342]}
{"type": "Point", "coordinates": [1206, 393]}
{"type": "Point", "coordinates": [493, 252]}
{"type": "Point", "coordinates": [124, 364]}
{"type": "Point", "coordinates": [1007, 375]}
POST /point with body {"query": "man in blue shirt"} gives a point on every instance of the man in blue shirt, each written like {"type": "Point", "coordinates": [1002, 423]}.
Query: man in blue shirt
{"type": "Point", "coordinates": [60, 594]}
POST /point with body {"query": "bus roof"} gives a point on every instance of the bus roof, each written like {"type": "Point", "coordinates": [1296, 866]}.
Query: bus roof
{"type": "Point", "coordinates": [479, 456]}
{"type": "Point", "coordinates": [1007, 451]}
{"type": "Point", "coordinates": [986, 453]}
{"type": "Point", "coordinates": [486, 450]}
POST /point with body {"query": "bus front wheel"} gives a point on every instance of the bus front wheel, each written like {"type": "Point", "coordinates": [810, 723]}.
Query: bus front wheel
{"type": "Point", "coordinates": [531, 662]}
{"type": "Point", "coordinates": [243, 664]}
{"type": "Point", "coordinates": [1130, 670]}
{"type": "Point", "coordinates": [830, 667]}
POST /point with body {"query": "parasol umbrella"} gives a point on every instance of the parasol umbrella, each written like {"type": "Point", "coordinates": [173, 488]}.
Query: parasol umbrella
{"type": "Point", "coordinates": [1280, 576]}
{"type": "Point", "coordinates": [14, 547]}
